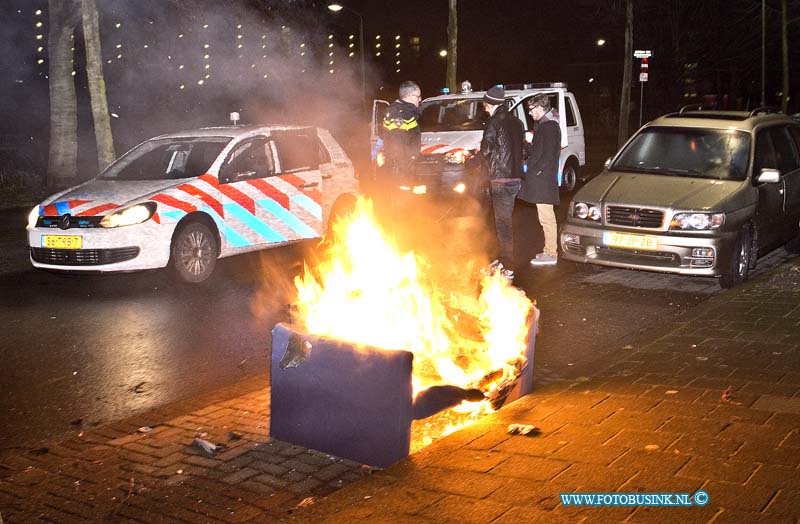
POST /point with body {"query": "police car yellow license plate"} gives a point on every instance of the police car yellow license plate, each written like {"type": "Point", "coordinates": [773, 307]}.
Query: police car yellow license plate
{"type": "Point", "coordinates": [62, 241]}
{"type": "Point", "coordinates": [628, 241]}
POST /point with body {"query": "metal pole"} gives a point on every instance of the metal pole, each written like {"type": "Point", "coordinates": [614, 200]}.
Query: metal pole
{"type": "Point", "coordinates": [763, 52]}
{"type": "Point", "coordinates": [363, 67]}
{"type": "Point", "coordinates": [641, 101]}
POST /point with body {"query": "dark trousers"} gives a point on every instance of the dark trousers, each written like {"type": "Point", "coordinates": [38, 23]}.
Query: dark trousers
{"type": "Point", "coordinates": [503, 192]}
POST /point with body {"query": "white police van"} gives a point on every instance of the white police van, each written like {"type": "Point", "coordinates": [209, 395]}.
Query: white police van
{"type": "Point", "coordinates": [185, 199]}
{"type": "Point", "coordinates": [452, 128]}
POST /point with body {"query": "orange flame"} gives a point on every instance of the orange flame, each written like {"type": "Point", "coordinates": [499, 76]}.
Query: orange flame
{"type": "Point", "coordinates": [368, 292]}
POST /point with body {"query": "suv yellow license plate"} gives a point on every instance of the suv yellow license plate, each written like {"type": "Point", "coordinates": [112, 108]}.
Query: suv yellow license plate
{"type": "Point", "coordinates": [628, 241]}
{"type": "Point", "coordinates": [62, 241]}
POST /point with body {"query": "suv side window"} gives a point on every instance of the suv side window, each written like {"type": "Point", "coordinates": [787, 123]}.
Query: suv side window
{"type": "Point", "coordinates": [765, 154]}
{"type": "Point", "coordinates": [785, 157]}
{"type": "Point", "coordinates": [250, 159]}
{"type": "Point", "coordinates": [570, 114]}
{"type": "Point", "coordinates": [298, 150]}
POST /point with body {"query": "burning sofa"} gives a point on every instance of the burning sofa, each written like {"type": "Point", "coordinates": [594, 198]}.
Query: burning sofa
{"type": "Point", "coordinates": [375, 345]}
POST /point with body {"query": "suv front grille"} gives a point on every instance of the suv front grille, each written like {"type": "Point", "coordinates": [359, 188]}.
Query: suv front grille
{"type": "Point", "coordinates": [634, 216]}
{"type": "Point", "coordinates": [83, 257]}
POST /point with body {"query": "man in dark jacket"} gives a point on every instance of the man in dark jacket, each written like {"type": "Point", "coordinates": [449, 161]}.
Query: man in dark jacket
{"type": "Point", "coordinates": [541, 179]}
{"type": "Point", "coordinates": [501, 149]}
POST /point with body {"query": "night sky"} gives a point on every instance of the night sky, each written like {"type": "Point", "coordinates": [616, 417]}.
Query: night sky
{"type": "Point", "coordinates": [503, 41]}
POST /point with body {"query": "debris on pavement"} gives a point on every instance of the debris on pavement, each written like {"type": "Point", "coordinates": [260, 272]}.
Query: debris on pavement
{"type": "Point", "coordinates": [206, 446]}
{"type": "Point", "coordinates": [305, 502]}
{"type": "Point", "coordinates": [727, 397]}
{"type": "Point", "coordinates": [522, 429]}
{"type": "Point", "coordinates": [146, 429]}
{"type": "Point", "coordinates": [234, 435]}
{"type": "Point", "coordinates": [138, 388]}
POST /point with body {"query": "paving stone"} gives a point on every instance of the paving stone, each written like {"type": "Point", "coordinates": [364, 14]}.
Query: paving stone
{"type": "Point", "coordinates": [684, 515]}
{"type": "Point", "coordinates": [739, 496]}
{"type": "Point", "coordinates": [784, 503]}
{"type": "Point", "coordinates": [601, 455]}
{"type": "Point", "coordinates": [757, 452]}
{"type": "Point", "coordinates": [468, 484]}
{"type": "Point", "coordinates": [473, 460]}
{"type": "Point", "coordinates": [732, 516]}
{"type": "Point", "coordinates": [591, 478]}
{"type": "Point", "coordinates": [517, 515]}
{"type": "Point", "coordinates": [528, 467]}
{"type": "Point", "coordinates": [718, 469]}
{"type": "Point", "coordinates": [240, 476]}
{"type": "Point", "coordinates": [465, 509]}
{"type": "Point", "coordinates": [703, 445]}
{"type": "Point", "coordinates": [644, 439]}
{"type": "Point", "coordinates": [657, 460]}
{"type": "Point", "coordinates": [763, 433]}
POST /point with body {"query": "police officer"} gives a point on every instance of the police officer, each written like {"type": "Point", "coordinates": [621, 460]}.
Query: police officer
{"type": "Point", "coordinates": [401, 138]}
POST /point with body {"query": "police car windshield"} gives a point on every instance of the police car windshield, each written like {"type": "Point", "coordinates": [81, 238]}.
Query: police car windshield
{"type": "Point", "coordinates": [167, 158]}
{"type": "Point", "coordinates": [675, 151]}
{"type": "Point", "coordinates": [460, 114]}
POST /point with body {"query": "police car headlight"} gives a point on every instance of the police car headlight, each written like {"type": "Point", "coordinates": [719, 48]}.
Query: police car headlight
{"type": "Point", "coordinates": [33, 217]}
{"type": "Point", "coordinates": [459, 156]}
{"type": "Point", "coordinates": [697, 221]}
{"type": "Point", "coordinates": [130, 215]}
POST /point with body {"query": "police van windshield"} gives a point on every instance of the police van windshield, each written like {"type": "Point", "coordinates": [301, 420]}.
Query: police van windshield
{"type": "Point", "coordinates": [461, 114]}
{"type": "Point", "coordinates": [690, 152]}
{"type": "Point", "coordinates": [167, 158]}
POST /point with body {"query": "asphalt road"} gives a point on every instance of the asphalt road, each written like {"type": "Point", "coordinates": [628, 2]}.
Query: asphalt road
{"type": "Point", "coordinates": [82, 351]}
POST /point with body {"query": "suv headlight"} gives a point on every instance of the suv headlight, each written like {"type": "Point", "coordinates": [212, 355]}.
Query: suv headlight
{"type": "Point", "coordinates": [586, 211]}
{"type": "Point", "coordinates": [697, 221]}
{"type": "Point", "coordinates": [33, 217]}
{"type": "Point", "coordinates": [129, 215]}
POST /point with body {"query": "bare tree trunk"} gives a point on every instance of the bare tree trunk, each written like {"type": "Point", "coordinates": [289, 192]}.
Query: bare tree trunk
{"type": "Point", "coordinates": [625, 99]}
{"type": "Point", "coordinates": [785, 55]}
{"type": "Point", "coordinates": [97, 84]}
{"type": "Point", "coordinates": [452, 46]}
{"type": "Point", "coordinates": [62, 168]}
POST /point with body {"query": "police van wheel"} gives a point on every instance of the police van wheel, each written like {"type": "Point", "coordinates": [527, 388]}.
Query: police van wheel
{"type": "Point", "coordinates": [193, 254]}
{"type": "Point", "coordinates": [569, 178]}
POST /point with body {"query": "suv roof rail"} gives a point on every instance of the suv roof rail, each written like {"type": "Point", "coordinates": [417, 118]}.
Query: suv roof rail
{"type": "Point", "coordinates": [535, 85]}
{"type": "Point", "coordinates": [692, 107]}
{"type": "Point", "coordinates": [764, 109]}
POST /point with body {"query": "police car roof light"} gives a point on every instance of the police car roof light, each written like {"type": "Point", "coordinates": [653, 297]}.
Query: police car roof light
{"type": "Point", "coordinates": [537, 85]}
{"type": "Point", "coordinates": [445, 90]}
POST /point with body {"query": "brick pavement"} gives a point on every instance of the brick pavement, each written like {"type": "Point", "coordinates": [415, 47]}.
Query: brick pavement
{"type": "Point", "coordinates": [710, 400]}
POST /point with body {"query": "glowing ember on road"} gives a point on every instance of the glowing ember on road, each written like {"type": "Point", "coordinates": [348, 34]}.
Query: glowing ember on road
{"type": "Point", "coordinates": [365, 291]}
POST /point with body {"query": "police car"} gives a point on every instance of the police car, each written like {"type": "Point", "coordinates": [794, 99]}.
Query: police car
{"type": "Point", "coordinates": [452, 127]}
{"type": "Point", "coordinates": [184, 200]}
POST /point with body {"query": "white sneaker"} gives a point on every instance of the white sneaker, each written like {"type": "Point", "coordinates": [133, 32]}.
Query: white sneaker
{"type": "Point", "coordinates": [543, 259]}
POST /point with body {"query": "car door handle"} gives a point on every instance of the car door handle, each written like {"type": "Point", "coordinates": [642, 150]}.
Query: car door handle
{"type": "Point", "coordinates": [326, 177]}
{"type": "Point", "coordinates": [310, 184]}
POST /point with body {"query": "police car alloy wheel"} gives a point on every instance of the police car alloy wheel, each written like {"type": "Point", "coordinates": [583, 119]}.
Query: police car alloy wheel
{"type": "Point", "coordinates": [193, 253]}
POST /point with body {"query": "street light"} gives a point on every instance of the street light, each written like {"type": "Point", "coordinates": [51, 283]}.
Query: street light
{"type": "Point", "coordinates": [338, 7]}
{"type": "Point", "coordinates": [600, 42]}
